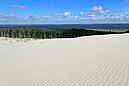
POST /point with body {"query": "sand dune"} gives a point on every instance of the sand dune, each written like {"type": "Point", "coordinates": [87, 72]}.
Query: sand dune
{"type": "Point", "coordinates": [84, 61]}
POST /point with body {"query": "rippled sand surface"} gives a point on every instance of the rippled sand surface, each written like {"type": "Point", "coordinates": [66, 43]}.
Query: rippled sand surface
{"type": "Point", "coordinates": [85, 61]}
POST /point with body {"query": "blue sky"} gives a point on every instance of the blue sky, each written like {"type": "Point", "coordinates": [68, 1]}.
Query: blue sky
{"type": "Point", "coordinates": [64, 11]}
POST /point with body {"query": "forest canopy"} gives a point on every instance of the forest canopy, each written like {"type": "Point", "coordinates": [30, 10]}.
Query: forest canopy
{"type": "Point", "coordinates": [42, 33]}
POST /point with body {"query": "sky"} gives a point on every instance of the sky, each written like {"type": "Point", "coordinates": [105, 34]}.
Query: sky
{"type": "Point", "coordinates": [63, 11]}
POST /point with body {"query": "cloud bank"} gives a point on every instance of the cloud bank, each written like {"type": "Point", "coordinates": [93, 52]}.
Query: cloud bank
{"type": "Point", "coordinates": [97, 14]}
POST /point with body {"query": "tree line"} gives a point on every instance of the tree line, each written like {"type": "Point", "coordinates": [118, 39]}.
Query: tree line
{"type": "Point", "coordinates": [40, 33]}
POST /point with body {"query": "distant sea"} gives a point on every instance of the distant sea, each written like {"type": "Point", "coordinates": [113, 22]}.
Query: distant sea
{"type": "Point", "coordinates": [68, 26]}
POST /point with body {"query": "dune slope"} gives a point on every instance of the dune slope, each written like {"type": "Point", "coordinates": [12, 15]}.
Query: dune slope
{"type": "Point", "coordinates": [84, 61]}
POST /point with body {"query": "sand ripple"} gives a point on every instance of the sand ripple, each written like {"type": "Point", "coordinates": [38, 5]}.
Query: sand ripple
{"type": "Point", "coordinates": [86, 61]}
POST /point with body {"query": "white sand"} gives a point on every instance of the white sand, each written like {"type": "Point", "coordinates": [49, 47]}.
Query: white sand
{"type": "Point", "coordinates": [84, 61]}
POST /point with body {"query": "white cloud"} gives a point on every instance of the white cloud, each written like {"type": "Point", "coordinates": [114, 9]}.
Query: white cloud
{"type": "Point", "coordinates": [97, 8]}
{"type": "Point", "coordinates": [67, 14]}
{"type": "Point", "coordinates": [47, 16]}
{"type": "Point", "coordinates": [91, 15]}
{"type": "Point", "coordinates": [17, 6]}
{"type": "Point", "coordinates": [81, 13]}
{"type": "Point", "coordinates": [10, 14]}
{"type": "Point", "coordinates": [76, 16]}
{"type": "Point", "coordinates": [100, 10]}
